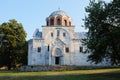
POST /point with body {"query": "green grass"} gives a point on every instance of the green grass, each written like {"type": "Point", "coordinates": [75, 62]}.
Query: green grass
{"type": "Point", "coordinates": [98, 74]}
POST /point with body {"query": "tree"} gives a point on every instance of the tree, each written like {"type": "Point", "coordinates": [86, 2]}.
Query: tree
{"type": "Point", "coordinates": [12, 36]}
{"type": "Point", "coordinates": [113, 19]}
{"type": "Point", "coordinates": [103, 36]}
{"type": "Point", "coordinates": [22, 52]}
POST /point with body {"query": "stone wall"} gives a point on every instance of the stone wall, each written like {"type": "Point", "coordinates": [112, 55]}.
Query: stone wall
{"type": "Point", "coordinates": [60, 68]}
{"type": "Point", "coordinates": [45, 68]}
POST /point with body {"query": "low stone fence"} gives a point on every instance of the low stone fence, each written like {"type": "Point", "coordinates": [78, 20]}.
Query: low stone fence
{"type": "Point", "coordinates": [58, 68]}
{"type": "Point", "coordinates": [45, 68]}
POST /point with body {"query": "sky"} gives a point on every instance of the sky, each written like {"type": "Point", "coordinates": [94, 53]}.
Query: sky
{"type": "Point", "coordinates": [33, 13]}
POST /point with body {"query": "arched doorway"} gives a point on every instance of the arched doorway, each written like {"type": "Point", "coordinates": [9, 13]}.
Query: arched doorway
{"type": "Point", "coordinates": [58, 57]}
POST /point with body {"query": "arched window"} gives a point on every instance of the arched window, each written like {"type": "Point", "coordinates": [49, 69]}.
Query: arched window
{"type": "Point", "coordinates": [58, 22]}
{"type": "Point", "coordinates": [64, 34]}
{"type": "Point", "coordinates": [65, 22]}
{"type": "Point", "coordinates": [52, 21]}
{"type": "Point", "coordinates": [48, 47]}
{"type": "Point", "coordinates": [39, 49]}
{"type": "Point", "coordinates": [47, 23]}
{"type": "Point", "coordinates": [51, 34]}
{"type": "Point", "coordinates": [58, 32]}
{"type": "Point", "coordinates": [80, 49]}
{"type": "Point", "coordinates": [67, 50]}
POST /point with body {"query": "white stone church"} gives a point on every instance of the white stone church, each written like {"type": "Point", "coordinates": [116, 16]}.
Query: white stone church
{"type": "Point", "coordinates": [58, 43]}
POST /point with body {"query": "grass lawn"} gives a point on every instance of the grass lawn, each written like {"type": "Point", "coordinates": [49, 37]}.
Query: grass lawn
{"type": "Point", "coordinates": [98, 74]}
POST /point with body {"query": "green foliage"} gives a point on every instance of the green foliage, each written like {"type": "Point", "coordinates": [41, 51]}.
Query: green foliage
{"type": "Point", "coordinates": [12, 39]}
{"type": "Point", "coordinates": [103, 22]}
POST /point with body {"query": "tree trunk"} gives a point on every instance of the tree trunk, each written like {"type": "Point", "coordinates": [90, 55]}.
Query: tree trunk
{"type": "Point", "coordinates": [9, 59]}
{"type": "Point", "coordinates": [9, 64]}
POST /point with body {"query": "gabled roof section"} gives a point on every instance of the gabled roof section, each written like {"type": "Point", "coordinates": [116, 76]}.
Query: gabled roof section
{"type": "Point", "coordinates": [30, 41]}
{"type": "Point", "coordinates": [80, 35]}
{"type": "Point", "coordinates": [37, 34]}
{"type": "Point", "coordinates": [59, 41]}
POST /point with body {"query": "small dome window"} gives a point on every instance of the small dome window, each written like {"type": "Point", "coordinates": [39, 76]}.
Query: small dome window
{"type": "Point", "coordinates": [58, 22]}
{"type": "Point", "coordinates": [52, 21]}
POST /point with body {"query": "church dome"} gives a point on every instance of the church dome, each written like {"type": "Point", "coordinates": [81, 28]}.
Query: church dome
{"type": "Point", "coordinates": [58, 18]}
{"type": "Point", "coordinates": [58, 13]}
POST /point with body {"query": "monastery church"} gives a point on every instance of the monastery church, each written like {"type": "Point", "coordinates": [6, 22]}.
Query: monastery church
{"type": "Point", "coordinates": [57, 43]}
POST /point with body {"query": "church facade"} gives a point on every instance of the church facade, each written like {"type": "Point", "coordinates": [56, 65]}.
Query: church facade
{"type": "Point", "coordinates": [57, 43]}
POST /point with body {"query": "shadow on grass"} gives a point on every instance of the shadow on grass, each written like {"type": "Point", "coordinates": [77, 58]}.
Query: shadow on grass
{"type": "Point", "coordinates": [107, 76]}
{"type": "Point", "coordinates": [113, 75]}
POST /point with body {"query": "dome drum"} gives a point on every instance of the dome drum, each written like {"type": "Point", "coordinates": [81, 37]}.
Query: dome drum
{"type": "Point", "coordinates": [58, 18]}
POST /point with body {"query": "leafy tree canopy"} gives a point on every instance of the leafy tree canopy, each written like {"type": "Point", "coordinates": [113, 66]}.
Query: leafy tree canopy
{"type": "Point", "coordinates": [103, 37]}
{"type": "Point", "coordinates": [12, 37]}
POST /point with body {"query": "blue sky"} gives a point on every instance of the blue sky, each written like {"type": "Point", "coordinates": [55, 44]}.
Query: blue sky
{"type": "Point", "coordinates": [32, 13]}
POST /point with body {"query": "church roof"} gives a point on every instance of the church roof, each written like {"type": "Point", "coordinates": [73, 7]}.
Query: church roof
{"type": "Point", "coordinates": [80, 35]}
{"type": "Point", "coordinates": [58, 12]}
{"type": "Point", "coordinates": [37, 34]}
